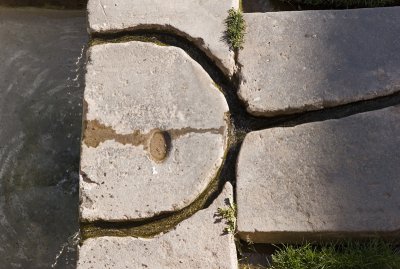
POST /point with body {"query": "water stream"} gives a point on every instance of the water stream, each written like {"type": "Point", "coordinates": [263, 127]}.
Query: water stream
{"type": "Point", "coordinates": [41, 86]}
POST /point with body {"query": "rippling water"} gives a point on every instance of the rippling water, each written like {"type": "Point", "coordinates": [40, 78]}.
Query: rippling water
{"type": "Point", "coordinates": [41, 86]}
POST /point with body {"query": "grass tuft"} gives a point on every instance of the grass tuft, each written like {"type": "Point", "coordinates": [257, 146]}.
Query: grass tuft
{"type": "Point", "coordinates": [229, 214]}
{"type": "Point", "coordinates": [235, 29]}
{"type": "Point", "coordinates": [375, 254]}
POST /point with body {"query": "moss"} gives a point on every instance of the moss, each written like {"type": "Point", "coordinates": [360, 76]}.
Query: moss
{"type": "Point", "coordinates": [151, 228]}
{"type": "Point", "coordinates": [159, 224]}
{"type": "Point", "coordinates": [140, 38]}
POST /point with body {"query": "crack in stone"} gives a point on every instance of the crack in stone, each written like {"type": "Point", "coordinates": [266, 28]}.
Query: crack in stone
{"type": "Point", "coordinates": [164, 222]}
{"type": "Point", "coordinates": [241, 123]}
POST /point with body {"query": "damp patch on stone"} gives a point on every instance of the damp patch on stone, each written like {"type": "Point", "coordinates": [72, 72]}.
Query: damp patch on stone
{"type": "Point", "coordinates": [148, 157]}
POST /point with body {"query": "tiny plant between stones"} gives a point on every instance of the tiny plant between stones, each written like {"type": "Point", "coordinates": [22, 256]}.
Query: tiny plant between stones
{"type": "Point", "coordinates": [229, 214]}
{"type": "Point", "coordinates": [235, 29]}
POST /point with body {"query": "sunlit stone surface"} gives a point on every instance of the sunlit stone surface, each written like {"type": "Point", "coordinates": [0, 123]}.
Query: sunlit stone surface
{"type": "Point", "coordinates": [197, 242]}
{"type": "Point", "coordinates": [306, 60]}
{"type": "Point", "coordinates": [330, 179]}
{"type": "Point", "coordinates": [200, 21]}
{"type": "Point", "coordinates": [132, 90]}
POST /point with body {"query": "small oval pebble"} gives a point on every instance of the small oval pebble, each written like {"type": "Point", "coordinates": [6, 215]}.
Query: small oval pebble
{"type": "Point", "coordinates": [158, 146]}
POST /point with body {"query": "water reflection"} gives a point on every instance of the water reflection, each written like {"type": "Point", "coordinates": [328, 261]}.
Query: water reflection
{"type": "Point", "coordinates": [41, 86]}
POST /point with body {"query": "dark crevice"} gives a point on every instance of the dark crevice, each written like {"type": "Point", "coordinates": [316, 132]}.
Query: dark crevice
{"type": "Point", "coordinates": [242, 121]}
{"type": "Point", "coordinates": [165, 222]}
{"type": "Point", "coordinates": [164, 34]}
{"type": "Point", "coordinates": [241, 124]}
{"type": "Point", "coordinates": [337, 112]}
{"type": "Point", "coordinates": [240, 117]}
{"type": "Point", "coordinates": [254, 6]}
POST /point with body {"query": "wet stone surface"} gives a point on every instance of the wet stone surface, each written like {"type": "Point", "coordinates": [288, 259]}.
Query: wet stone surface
{"type": "Point", "coordinates": [323, 180]}
{"type": "Point", "coordinates": [155, 131]}
{"type": "Point", "coordinates": [197, 242]}
{"type": "Point", "coordinates": [298, 61]}
{"type": "Point", "coordinates": [201, 22]}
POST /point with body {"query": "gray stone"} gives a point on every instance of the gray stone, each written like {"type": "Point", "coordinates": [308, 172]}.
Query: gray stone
{"type": "Point", "coordinates": [322, 180]}
{"type": "Point", "coordinates": [308, 60]}
{"type": "Point", "coordinates": [200, 21]}
{"type": "Point", "coordinates": [134, 90]}
{"type": "Point", "coordinates": [198, 242]}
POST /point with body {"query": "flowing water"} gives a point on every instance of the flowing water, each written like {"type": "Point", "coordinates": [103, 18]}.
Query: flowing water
{"type": "Point", "coordinates": [41, 85]}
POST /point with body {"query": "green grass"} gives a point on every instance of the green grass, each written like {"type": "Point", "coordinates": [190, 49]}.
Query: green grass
{"type": "Point", "coordinates": [229, 214]}
{"type": "Point", "coordinates": [235, 29]}
{"type": "Point", "coordinates": [346, 3]}
{"type": "Point", "coordinates": [375, 254]}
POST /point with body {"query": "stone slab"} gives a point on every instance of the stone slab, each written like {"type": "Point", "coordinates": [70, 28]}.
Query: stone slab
{"type": "Point", "coordinates": [322, 180]}
{"type": "Point", "coordinates": [200, 21]}
{"type": "Point", "coordinates": [298, 61]}
{"type": "Point", "coordinates": [198, 242]}
{"type": "Point", "coordinates": [133, 91]}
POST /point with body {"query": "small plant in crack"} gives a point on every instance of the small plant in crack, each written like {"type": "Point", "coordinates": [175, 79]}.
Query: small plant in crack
{"type": "Point", "coordinates": [229, 214]}
{"type": "Point", "coordinates": [235, 29]}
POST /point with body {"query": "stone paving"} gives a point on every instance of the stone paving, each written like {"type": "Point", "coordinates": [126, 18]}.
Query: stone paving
{"type": "Point", "coordinates": [202, 22]}
{"type": "Point", "coordinates": [329, 179]}
{"type": "Point", "coordinates": [123, 162]}
{"type": "Point", "coordinates": [157, 130]}
{"type": "Point", "coordinates": [198, 242]}
{"type": "Point", "coordinates": [308, 60]}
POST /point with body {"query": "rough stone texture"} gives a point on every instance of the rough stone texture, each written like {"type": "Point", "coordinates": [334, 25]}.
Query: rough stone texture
{"type": "Point", "coordinates": [133, 89]}
{"type": "Point", "coordinates": [201, 21]}
{"type": "Point", "coordinates": [198, 242]}
{"type": "Point", "coordinates": [297, 61]}
{"type": "Point", "coordinates": [321, 180]}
